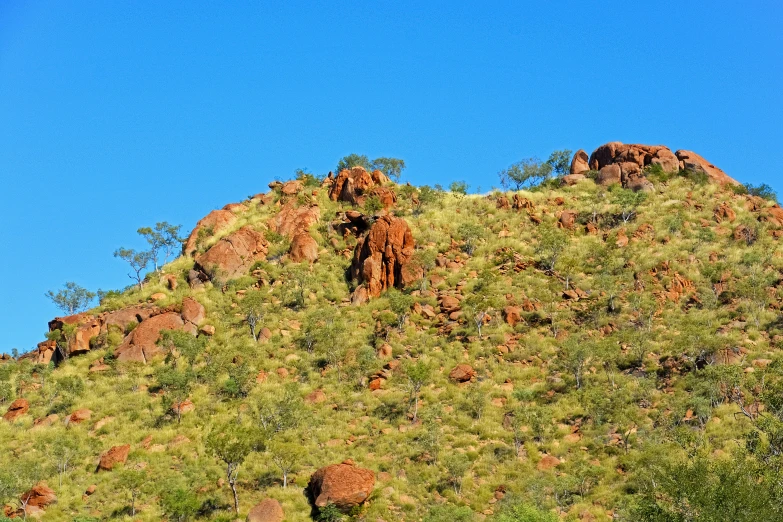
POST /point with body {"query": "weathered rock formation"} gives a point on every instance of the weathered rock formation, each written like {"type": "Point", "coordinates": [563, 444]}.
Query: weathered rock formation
{"type": "Point", "coordinates": [213, 223]}
{"type": "Point", "coordinates": [691, 161]}
{"type": "Point", "coordinates": [462, 373]}
{"type": "Point", "coordinates": [345, 485]}
{"type": "Point", "coordinates": [17, 408]}
{"type": "Point", "coordinates": [295, 222]}
{"type": "Point", "coordinates": [382, 258]}
{"type": "Point", "coordinates": [234, 254]}
{"type": "Point", "coordinates": [141, 344]}
{"type": "Point", "coordinates": [354, 185]}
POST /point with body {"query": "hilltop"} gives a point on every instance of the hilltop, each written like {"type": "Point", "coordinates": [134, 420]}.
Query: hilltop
{"type": "Point", "coordinates": [601, 344]}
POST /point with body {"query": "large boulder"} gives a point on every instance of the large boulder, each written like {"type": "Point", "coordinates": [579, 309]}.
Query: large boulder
{"type": "Point", "coordinates": [268, 510]}
{"type": "Point", "coordinates": [122, 319]}
{"type": "Point", "coordinates": [633, 158]}
{"type": "Point", "coordinates": [115, 456]}
{"type": "Point", "coordinates": [295, 222]}
{"type": "Point", "coordinates": [345, 485]}
{"type": "Point", "coordinates": [303, 248]}
{"type": "Point", "coordinates": [213, 223]}
{"type": "Point", "coordinates": [87, 327]}
{"type": "Point", "coordinates": [381, 258]}
{"type": "Point", "coordinates": [234, 254]}
{"type": "Point", "coordinates": [462, 373]}
{"type": "Point", "coordinates": [192, 311]}
{"type": "Point", "coordinates": [609, 175]}
{"type": "Point", "coordinates": [580, 163]}
{"type": "Point", "coordinates": [17, 408]}
{"type": "Point", "coordinates": [141, 344]}
{"type": "Point", "coordinates": [351, 185]}
{"type": "Point", "coordinates": [689, 160]}
{"type": "Point", "coordinates": [39, 496]}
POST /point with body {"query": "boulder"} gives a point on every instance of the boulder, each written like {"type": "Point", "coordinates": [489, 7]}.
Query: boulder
{"type": "Point", "coordinates": [350, 185]}
{"type": "Point", "coordinates": [573, 179]}
{"type": "Point", "coordinates": [567, 219]}
{"type": "Point", "coordinates": [215, 222]}
{"type": "Point", "coordinates": [123, 318]}
{"type": "Point", "coordinates": [141, 344]}
{"type": "Point", "coordinates": [292, 218]}
{"type": "Point", "coordinates": [385, 195]}
{"type": "Point", "coordinates": [462, 373]}
{"type": "Point", "coordinates": [115, 456]}
{"type": "Point", "coordinates": [268, 510]}
{"type": "Point", "coordinates": [234, 254]}
{"type": "Point", "coordinates": [17, 408]}
{"type": "Point", "coordinates": [345, 485]}
{"type": "Point", "coordinates": [689, 160]}
{"type": "Point", "coordinates": [512, 315]}
{"type": "Point", "coordinates": [609, 175]}
{"type": "Point", "coordinates": [303, 248]}
{"type": "Point", "coordinates": [580, 163]}
{"type": "Point", "coordinates": [193, 311]}
{"type": "Point", "coordinates": [291, 188]}
{"type": "Point", "coordinates": [39, 496]}
{"type": "Point", "coordinates": [78, 416]}
{"type": "Point", "coordinates": [382, 256]}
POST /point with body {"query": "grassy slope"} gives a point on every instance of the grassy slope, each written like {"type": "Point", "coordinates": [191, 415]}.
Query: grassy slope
{"type": "Point", "coordinates": [597, 474]}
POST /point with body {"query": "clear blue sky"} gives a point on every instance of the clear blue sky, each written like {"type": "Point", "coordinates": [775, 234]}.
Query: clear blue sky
{"type": "Point", "coordinates": [115, 115]}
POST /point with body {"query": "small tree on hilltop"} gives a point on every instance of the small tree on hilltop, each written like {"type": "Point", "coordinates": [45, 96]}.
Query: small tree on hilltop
{"type": "Point", "coordinates": [391, 167]}
{"type": "Point", "coordinates": [353, 160]}
{"type": "Point", "coordinates": [138, 261]}
{"type": "Point", "coordinates": [560, 161]}
{"type": "Point", "coordinates": [72, 298]}
{"type": "Point", "coordinates": [525, 173]}
{"type": "Point", "coordinates": [163, 240]}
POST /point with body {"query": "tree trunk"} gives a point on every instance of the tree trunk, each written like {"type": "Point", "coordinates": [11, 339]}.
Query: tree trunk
{"type": "Point", "coordinates": [236, 497]}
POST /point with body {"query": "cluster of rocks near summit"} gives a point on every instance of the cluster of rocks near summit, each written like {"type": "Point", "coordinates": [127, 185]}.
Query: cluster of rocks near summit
{"type": "Point", "coordinates": [381, 259]}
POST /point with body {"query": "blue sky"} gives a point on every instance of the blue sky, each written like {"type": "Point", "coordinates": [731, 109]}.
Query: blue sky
{"type": "Point", "coordinates": [116, 115]}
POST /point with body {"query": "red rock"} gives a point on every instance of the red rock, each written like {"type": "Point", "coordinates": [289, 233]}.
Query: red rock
{"type": "Point", "coordinates": [193, 311]}
{"type": "Point", "coordinates": [121, 319]}
{"type": "Point", "coordinates": [462, 373]}
{"type": "Point", "coordinates": [217, 221]}
{"type": "Point", "coordinates": [291, 188]}
{"type": "Point", "coordinates": [381, 257]}
{"type": "Point", "coordinates": [92, 488]}
{"type": "Point", "coordinates": [385, 195]}
{"type": "Point", "coordinates": [113, 457]}
{"type": "Point", "coordinates": [207, 329]}
{"type": "Point", "coordinates": [547, 462]}
{"type": "Point", "coordinates": [512, 315]}
{"type": "Point", "coordinates": [691, 161]}
{"type": "Point", "coordinates": [78, 416]}
{"type": "Point", "coordinates": [316, 397]}
{"type": "Point", "coordinates": [39, 496]}
{"type": "Point", "coordinates": [47, 421]}
{"type": "Point", "coordinates": [170, 281]}
{"type": "Point", "coordinates": [269, 510]}
{"type": "Point", "coordinates": [17, 408]}
{"type": "Point", "coordinates": [350, 185]}
{"type": "Point", "coordinates": [234, 254]}
{"type": "Point", "coordinates": [572, 179]}
{"type": "Point", "coordinates": [449, 304]}
{"type": "Point", "coordinates": [567, 219]}
{"type": "Point", "coordinates": [724, 212]}
{"type": "Point", "coordinates": [376, 384]}
{"type": "Point", "coordinates": [293, 219]}
{"type": "Point", "coordinates": [185, 406]}
{"type": "Point", "coordinates": [344, 485]}
{"type": "Point", "coordinates": [622, 239]}
{"type": "Point", "coordinates": [140, 345]}
{"type": "Point", "coordinates": [609, 175]}
{"type": "Point", "coordinates": [303, 248]}
{"type": "Point", "coordinates": [385, 351]}
{"type": "Point", "coordinates": [580, 163]}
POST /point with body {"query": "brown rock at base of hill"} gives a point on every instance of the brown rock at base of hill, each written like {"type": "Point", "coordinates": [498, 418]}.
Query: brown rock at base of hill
{"type": "Point", "coordinates": [345, 485]}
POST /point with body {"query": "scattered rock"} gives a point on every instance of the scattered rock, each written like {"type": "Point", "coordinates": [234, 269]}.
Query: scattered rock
{"type": "Point", "coordinates": [115, 456]}
{"type": "Point", "coordinates": [269, 510]}
{"type": "Point", "coordinates": [39, 496]}
{"type": "Point", "coordinates": [462, 373]}
{"type": "Point", "coordinates": [345, 485]}
{"type": "Point", "coordinates": [193, 311]}
{"type": "Point", "coordinates": [207, 329]}
{"type": "Point", "coordinates": [512, 315]}
{"type": "Point", "coordinates": [17, 408]}
{"type": "Point", "coordinates": [78, 416]}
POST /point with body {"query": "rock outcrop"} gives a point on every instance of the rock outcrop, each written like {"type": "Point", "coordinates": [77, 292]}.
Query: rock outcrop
{"type": "Point", "coordinates": [114, 457]}
{"type": "Point", "coordinates": [213, 223]}
{"type": "Point", "coordinates": [580, 163]}
{"type": "Point", "coordinates": [462, 373]}
{"type": "Point", "coordinates": [40, 496]}
{"type": "Point", "coordinates": [354, 186]}
{"type": "Point", "coordinates": [345, 485]}
{"type": "Point", "coordinates": [295, 222]}
{"type": "Point", "coordinates": [382, 258]}
{"type": "Point", "coordinates": [141, 344]}
{"type": "Point", "coordinates": [691, 161]}
{"type": "Point", "coordinates": [17, 408]}
{"type": "Point", "coordinates": [234, 254]}
{"type": "Point", "coordinates": [268, 510]}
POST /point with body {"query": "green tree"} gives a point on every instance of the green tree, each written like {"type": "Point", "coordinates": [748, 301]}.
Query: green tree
{"type": "Point", "coordinates": [418, 375]}
{"type": "Point", "coordinates": [252, 307]}
{"type": "Point", "coordinates": [628, 202]}
{"type": "Point", "coordinates": [400, 304]}
{"type": "Point", "coordinates": [72, 298]}
{"type": "Point", "coordinates": [132, 480]}
{"type": "Point", "coordinates": [163, 240]}
{"type": "Point", "coordinates": [231, 444]}
{"type": "Point", "coordinates": [176, 383]}
{"type": "Point", "coordinates": [457, 464]}
{"type": "Point", "coordinates": [560, 162]}
{"type": "Point", "coordinates": [353, 160]}
{"type": "Point", "coordinates": [280, 413]}
{"type": "Point", "coordinates": [286, 456]}
{"type": "Point", "coordinates": [526, 173]}
{"type": "Point", "coordinates": [470, 234]}
{"type": "Point", "coordinates": [138, 262]}
{"type": "Point", "coordinates": [182, 344]}
{"type": "Point", "coordinates": [391, 167]}
{"type": "Point", "coordinates": [180, 504]}
{"type": "Point", "coordinates": [460, 188]}
{"type": "Point", "coordinates": [552, 241]}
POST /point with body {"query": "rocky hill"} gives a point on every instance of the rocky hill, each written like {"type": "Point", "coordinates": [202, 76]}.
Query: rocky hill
{"type": "Point", "coordinates": [602, 346]}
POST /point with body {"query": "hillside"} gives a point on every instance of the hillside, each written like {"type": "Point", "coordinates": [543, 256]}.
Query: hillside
{"type": "Point", "coordinates": [602, 346]}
